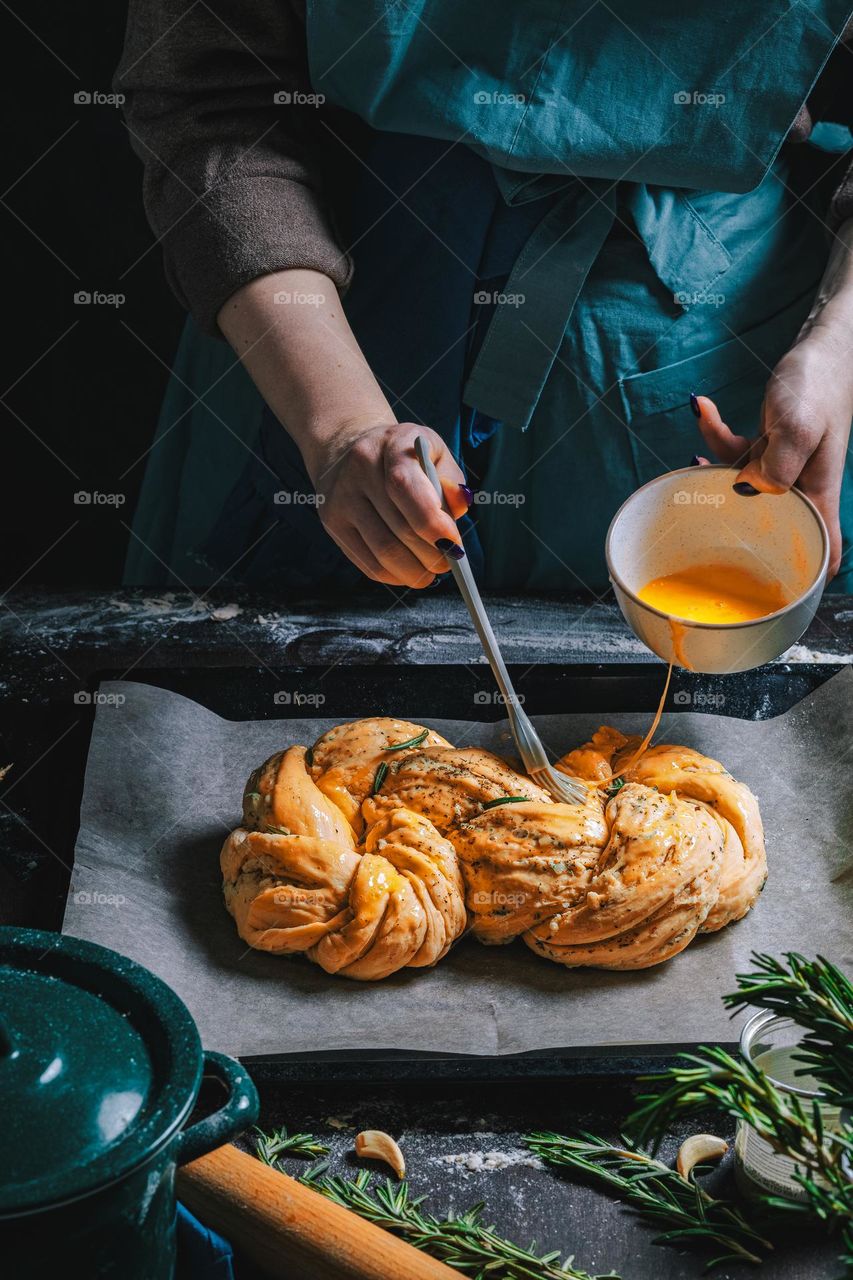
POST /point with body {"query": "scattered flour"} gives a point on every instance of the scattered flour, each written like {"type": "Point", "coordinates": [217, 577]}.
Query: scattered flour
{"type": "Point", "coordinates": [157, 606]}
{"type": "Point", "coordinates": [226, 612]}
{"type": "Point", "coordinates": [166, 606]}
{"type": "Point", "coordinates": [483, 1161]}
{"type": "Point", "coordinates": [800, 653]}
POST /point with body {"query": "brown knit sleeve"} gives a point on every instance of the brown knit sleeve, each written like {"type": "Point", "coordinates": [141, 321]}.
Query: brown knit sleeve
{"type": "Point", "coordinates": [219, 109]}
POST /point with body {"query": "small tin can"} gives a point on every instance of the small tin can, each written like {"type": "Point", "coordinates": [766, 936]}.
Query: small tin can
{"type": "Point", "coordinates": [773, 1043]}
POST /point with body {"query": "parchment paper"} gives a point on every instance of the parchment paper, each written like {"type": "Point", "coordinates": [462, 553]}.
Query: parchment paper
{"type": "Point", "coordinates": [163, 787]}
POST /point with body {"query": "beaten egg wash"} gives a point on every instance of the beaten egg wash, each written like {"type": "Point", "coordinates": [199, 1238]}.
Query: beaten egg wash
{"type": "Point", "coordinates": [714, 593]}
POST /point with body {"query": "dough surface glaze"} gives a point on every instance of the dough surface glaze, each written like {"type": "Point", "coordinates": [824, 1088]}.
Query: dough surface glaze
{"type": "Point", "coordinates": [379, 847]}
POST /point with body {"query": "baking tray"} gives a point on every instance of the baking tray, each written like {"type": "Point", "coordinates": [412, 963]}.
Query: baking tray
{"type": "Point", "coordinates": [241, 693]}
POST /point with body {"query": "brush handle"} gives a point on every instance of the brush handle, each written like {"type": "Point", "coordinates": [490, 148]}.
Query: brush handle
{"type": "Point", "coordinates": [468, 588]}
{"type": "Point", "coordinates": [291, 1232]}
{"type": "Point", "coordinates": [527, 740]}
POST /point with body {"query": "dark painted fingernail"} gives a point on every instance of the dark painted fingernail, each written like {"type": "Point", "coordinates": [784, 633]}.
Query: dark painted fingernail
{"type": "Point", "coordinates": [694, 405]}
{"type": "Point", "coordinates": [467, 493]}
{"type": "Point", "coordinates": [448, 548]}
{"type": "Point", "coordinates": [696, 461]}
{"type": "Point", "coordinates": [745, 489]}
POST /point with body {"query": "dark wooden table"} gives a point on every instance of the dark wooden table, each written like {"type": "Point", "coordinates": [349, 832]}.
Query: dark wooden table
{"type": "Point", "coordinates": [462, 1136]}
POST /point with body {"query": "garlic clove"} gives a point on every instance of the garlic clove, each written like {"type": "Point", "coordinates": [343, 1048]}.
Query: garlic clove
{"type": "Point", "coordinates": [373, 1144]}
{"type": "Point", "coordinates": [699, 1148]}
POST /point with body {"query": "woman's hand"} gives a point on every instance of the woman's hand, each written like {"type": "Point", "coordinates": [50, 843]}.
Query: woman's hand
{"type": "Point", "coordinates": [376, 502]}
{"type": "Point", "coordinates": [380, 508]}
{"type": "Point", "coordinates": [805, 427]}
{"type": "Point", "coordinates": [808, 405]}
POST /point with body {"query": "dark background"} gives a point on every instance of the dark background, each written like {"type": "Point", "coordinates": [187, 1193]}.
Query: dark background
{"type": "Point", "coordinates": [80, 393]}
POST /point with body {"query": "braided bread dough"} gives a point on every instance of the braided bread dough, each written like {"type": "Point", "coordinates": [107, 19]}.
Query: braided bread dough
{"type": "Point", "coordinates": [380, 847]}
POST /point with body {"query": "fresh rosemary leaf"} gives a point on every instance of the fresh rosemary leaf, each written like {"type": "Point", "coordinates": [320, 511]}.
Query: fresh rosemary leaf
{"type": "Point", "coordinates": [615, 784]}
{"type": "Point", "coordinates": [412, 742]}
{"type": "Point", "coordinates": [269, 1147]}
{"type": "Point", "coordinates": [492, 804]}
{"type": "Point", "coordinates": [379, 777]}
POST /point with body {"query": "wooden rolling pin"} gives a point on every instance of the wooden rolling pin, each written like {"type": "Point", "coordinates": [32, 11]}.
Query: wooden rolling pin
{"type": "Point", "coordinates": [292, 1232]}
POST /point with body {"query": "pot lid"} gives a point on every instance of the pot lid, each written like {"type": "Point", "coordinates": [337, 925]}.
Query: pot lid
{"type": "Point", "coordinates": [100, 1063]}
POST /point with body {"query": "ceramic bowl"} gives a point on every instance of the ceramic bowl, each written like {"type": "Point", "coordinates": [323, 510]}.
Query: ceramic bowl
{"type": "Point", "coordinates": [692, 517]}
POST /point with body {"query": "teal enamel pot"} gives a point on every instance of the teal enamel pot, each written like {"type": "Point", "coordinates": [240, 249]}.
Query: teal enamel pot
{"type": "Point", "coordinates": [100, 1068]}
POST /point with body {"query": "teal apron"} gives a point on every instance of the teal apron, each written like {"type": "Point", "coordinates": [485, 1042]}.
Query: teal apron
{"type": "Point", "coordinates": [667, 246]}
{"type": "Point", "coordinates": [673, 127]}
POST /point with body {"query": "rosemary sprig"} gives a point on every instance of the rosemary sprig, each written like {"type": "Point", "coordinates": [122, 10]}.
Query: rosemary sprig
{"type": "Point", "coordinates": [462, 1241]}
{"type": "Point", "coordinates": [412, 742]}
{"type": "Point", "coordinates": [270, 1147]}
{"type": "Point", "coordinates": [614, 785]}
{"type": "Point", "coordinates": [379, 776]}
{"type": "Point", "coordinates": [492, 804]}
{"type": "Point", "coordinates": [793, 1129]}
{"type": "Point", "coordinates": [657, 1193]}
{"type": "Point", "coordinates": [743, 1091]}
{"type": "Point", "coordinates": [818, 997]}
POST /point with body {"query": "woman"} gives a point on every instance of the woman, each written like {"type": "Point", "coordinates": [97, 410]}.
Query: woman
{"type": "Point", "coordinates": [554, 230]}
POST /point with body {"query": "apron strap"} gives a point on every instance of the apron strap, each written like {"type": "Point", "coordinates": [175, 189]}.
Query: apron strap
{"type": "Point", "coordinates": [522, 341]}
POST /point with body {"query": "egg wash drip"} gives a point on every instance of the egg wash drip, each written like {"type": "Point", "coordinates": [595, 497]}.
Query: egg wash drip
{"type": "Point", "coordinates": [715, 593]}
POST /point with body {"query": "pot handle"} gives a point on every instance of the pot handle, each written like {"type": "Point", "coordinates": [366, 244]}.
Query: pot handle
{"type": "Point", "coordinates": [238, 1111]}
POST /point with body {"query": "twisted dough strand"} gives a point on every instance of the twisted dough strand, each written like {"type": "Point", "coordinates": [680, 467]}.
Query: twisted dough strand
{"type": "Point", "coordinates": [398, 901]}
